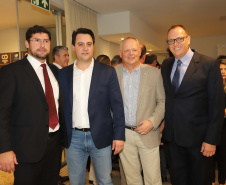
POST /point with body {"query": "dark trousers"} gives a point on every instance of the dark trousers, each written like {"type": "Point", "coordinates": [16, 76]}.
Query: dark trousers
{"type": "Point", "coordinates": [187, 165]}
{"type": "Point", "coordinates": [220, 158]}
{"type": "Point", "coordinates": [44, 172]}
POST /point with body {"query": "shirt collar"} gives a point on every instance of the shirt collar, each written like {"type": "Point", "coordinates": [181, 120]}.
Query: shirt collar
{"type": "Point", "coordinates": [34, 62]}
{"type": "Point", "coordinates": [137, 70]}
{"type": "Point", "coordinates": [57, 65]}
{"type": "Point", "coordinates": [90, 66]}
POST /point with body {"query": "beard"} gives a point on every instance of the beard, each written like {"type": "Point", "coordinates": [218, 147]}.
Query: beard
{"type": "Point", "coordinates": [39, 56]}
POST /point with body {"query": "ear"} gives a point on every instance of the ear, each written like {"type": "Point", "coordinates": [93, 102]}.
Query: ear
{"type": "Point", "coordinates": [140, 52]}
{"type": "Point", "coordinates": [189, 40]}
{"type": "Point", "coordinates": [73, 47]}
{"type": "Point", "coordinates": [120, 53]}
{"type": "Point", "coordinates": [27, 44]}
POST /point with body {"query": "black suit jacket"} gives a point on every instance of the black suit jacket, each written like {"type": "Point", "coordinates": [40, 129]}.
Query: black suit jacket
{"type": "Point", "coordinates": [24, 114]}
{"type": "Point", "coordinates": [194, 114]}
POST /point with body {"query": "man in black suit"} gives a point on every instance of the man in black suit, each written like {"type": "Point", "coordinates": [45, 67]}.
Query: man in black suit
{"type": "Point", "coordinates": [194, 110]}
{"type": "Point", "coordinates": [31, 120]}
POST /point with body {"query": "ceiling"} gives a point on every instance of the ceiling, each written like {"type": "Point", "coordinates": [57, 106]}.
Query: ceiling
{"type": "Point", "coordinates": [200, 17]}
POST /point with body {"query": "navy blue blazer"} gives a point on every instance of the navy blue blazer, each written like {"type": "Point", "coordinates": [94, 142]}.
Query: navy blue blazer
{"type": "Point", "coordinates": [104, 97]}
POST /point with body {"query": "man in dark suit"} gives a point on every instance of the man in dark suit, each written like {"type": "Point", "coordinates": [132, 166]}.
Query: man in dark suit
{"type": "Point", "coordinates": [31, 120]}
{"type": "Point", "coordinates": [194, 110]}
{"type": "Point", "coordinates": [91, 91]}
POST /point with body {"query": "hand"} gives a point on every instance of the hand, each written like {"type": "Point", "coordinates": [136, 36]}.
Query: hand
{"type": "Point", "coordinates": [208, 150]}
{"type": "Point", "coordinates": [118, 146]}
{"type": "Point", "coordinates": [145, 126]}
{"type": "Point", "coordinates": [8, 161]}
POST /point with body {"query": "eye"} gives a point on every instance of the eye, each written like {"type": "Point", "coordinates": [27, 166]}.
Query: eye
{"type": "Point", "coordinates": [46, 41]}
{"type": "Point", "coordinates": [36, 40]}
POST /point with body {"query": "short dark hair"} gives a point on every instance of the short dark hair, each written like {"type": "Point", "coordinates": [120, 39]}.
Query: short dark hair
{"type": "Point", "coordinates": [57, 49]}
{"type": "Point", "coordinates": [116, 60]}
{"type": "Point", "coordinates": [103, 59]}
{"type": "Point", "coordinates": [82, 31]}
{"type": "Point", "coordinates": [176, 26]}
{"type": "Point", "coordinates": [143, 50]}
{"type": "Point", "coordinates": [150, 58]}
{"type": "Point", "coordinates": [222, 58]}
{"type": "Point", "coordinates": [36, 29]}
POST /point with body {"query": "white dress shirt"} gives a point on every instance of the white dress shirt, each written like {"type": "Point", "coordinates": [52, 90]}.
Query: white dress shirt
{"type": "Point", "coordinates": [81, 86]}
{"type": "Point", "coordinates": [57, 65]}
{"type": "Point", "coordinates": [39, 71]}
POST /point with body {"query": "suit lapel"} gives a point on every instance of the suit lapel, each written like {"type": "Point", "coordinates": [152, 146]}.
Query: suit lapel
{"type": "Point", "coordinates": [94, 79]}
{"type": "Point", "coordinates": [168, 73]}
{"type": "Point", "coordinates": [190, 70]}
{"type": "Point", "coordinates": [70, 82]}
{"type": "Point", "coordinates": [143, 79]}
{"type": "Point", "coordinates": [120, 79]}
{"type": "Point", "coordinates": [33, 76]}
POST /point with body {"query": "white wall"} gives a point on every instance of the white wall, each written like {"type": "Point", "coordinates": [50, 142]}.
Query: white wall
{"type": "Point", "coordinates": [9, 41]}
{"type": "Point", "coordinates": [208, 45]}
{"type": "Point", "coordinates": [108, 48]}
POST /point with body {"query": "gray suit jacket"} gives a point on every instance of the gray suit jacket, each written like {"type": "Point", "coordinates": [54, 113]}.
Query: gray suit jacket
{"type": "Point", "coordinates": [151, 101]}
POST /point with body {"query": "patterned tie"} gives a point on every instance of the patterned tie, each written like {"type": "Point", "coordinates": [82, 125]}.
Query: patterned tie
{"type": "Point", "coordinates": [53, 119]}
{"type": "Point", "coordinates": [176, 77]}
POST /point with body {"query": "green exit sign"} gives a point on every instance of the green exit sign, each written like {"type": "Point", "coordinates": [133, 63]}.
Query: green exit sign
{"type": "Point", "coordinates": [44, 4]}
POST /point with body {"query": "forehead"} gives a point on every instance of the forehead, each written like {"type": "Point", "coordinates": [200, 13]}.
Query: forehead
{"type": "Point", "coordinates": [223, 65]}
{"type": "Point", "coordinates": [63, 52]}
{"type": "Point", "coordinates": [83, 38]}
{"type": "Point", "coordinates": [176, 32]}
{"type": "Point", "coordinates": [130, 43]}
{"type": "Point", "coordinates": [40, 35]}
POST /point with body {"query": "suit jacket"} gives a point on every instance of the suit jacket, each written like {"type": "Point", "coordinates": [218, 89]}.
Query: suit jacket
{"type": "Point", "coordinates": [150, 103]}
{"type": "Point", "coordinates": [24, 112]}
{"type": "Point", "coordinates": [194, 114]}
{"type": "Point", "coordinates": [104, 96]}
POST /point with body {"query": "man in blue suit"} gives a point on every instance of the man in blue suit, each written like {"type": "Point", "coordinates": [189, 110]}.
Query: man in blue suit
{"type": "Point", "coordinates": [91, 92]}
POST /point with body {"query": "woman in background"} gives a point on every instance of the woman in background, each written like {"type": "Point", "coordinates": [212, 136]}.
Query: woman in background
{"type": "Point", "coordinates": [220, 156]}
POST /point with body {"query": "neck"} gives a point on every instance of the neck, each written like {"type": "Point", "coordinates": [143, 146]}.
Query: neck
{"type": "Point", "coordinates": [130, 68]}
{"type": "Point", "coordinates": [83, 65]}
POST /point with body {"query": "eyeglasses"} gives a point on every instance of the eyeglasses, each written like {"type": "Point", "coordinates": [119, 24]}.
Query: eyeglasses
{"type": "Point", "coordinates": [178, 39]}
{"type": "Point", "coordinates": [39, 41]}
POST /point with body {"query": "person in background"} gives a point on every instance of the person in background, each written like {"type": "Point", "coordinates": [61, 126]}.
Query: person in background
{"type": "Point", "coordinates": [60, 56]}
{"type": "Point", "coordinates": [151, 59]}
{"type": "Point", "coordinates": [116, 60]}
{"type": "Point", "coordinates": [220, 156]}
{"type": "Point", "coordinates": [104, 59]}
{"type": "Point", "coordinates": [143, 53]}
{"type": "Point", "coordinates": [144, 106]}
{"type": "Point", "coordinates": [91, 92]}
{"type": "Point", "coordinates": [32, 126]}
{"type": "Point", "coordinates": [194, 110]}
{"type": "Point", "coordinates": [60, 60]}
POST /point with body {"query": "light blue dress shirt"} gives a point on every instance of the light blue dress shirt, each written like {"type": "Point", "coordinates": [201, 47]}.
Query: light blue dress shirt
{"type": "Point", "coordinates": [131, 84]}
{"type": "Point", "coordinates": [184, 65]}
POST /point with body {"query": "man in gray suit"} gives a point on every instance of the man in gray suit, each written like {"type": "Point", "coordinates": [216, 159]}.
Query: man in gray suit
{"type": "Point", "coordinates": [144, 105]}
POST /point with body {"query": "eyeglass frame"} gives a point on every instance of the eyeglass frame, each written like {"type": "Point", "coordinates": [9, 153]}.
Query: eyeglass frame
{"type": "Point", "coordinates": [176, 39]}
{"type": "Point", "coordinates": [38, 41]}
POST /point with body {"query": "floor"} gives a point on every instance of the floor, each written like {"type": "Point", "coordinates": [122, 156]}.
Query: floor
{"type": "Point", "coordinates": [7, 179]}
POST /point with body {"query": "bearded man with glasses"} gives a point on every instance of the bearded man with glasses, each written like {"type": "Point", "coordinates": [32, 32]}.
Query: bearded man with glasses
{"type": "Point", "coordinates": [194, 110]}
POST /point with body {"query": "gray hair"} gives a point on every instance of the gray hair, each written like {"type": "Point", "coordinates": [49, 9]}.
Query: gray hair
{"type": "Point", "coordinates": [128, 39]}
{"type": "Point", "coordinates": [57, 50]}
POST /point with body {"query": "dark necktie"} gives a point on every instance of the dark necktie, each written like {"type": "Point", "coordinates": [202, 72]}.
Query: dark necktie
{"type": "Point", "coordinates": [53, 119]}
{"type": "Point", "coordinates": [176, 77]}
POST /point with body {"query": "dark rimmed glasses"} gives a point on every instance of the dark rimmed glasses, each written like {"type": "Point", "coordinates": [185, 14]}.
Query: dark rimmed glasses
{"type": "Point", "coordinates": [178, 39]}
